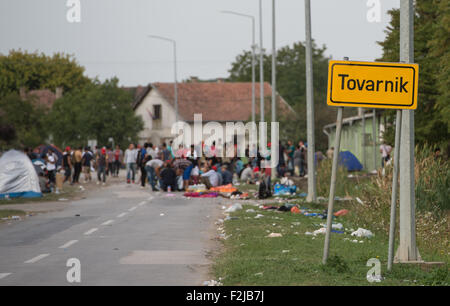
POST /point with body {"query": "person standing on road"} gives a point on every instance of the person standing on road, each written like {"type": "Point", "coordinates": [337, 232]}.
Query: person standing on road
{"type": "Point", "coordinates": [77, 156]}
{"type": "Point", "coordinates": [110, 155]}
{"type": "Point", "coordinates": [166, 153]}
{"type": "Point", "coordinates": [51, 166]}
{"type": "Point", "coordinates": [102, 166]}
{"type": "Point", "coordinates": [118, 159]}
{"type": "Point", "coordinates": [86, 163]}
{"type": "Point", "coordinates": [141, 160]}
{"type": "Point", "coordinates": [67, 165]}
{"type": "Point", "coordinates": [130, 161]}
{"type": "Point", "coordinates": [151, 151]}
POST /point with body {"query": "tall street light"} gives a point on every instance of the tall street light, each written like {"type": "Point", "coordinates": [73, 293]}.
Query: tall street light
{"type": "Point", "coordinates": [253, 57]}
{"type": "Point", "coordinates": [274, 78]}
{"type": "Point", "coordinates": [175, 69]}
{"type": "Point", "coordinates": [310, 106]}
{"type": "Point", "coordinates": [261, 69]}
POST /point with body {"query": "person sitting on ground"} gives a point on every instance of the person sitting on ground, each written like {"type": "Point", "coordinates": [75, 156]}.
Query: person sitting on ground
{"type": "Point", "coordinates": [282, 170]}
{"type": "Point", "coordinates": [44, 183]}
{"type": "Point", "coordinates": [227, 177]}
{"type": "Point", "coordinates": [209, 177]}
{"type": "Point", "coordinates": [218, 174]}
{"type": "Point", "coordinates": [168, 177]}
{"type": "Point", "coordinates": [247, 174]}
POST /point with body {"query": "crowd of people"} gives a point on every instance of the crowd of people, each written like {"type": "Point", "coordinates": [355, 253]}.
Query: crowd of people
{"type": "Point", "coordinates": [166, 168]}
{"type": "Point", "coordinates": [73, 163]}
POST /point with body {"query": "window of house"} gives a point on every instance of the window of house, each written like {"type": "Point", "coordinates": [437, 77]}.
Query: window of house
{"type": "Point", "coordinates": [156, 112]}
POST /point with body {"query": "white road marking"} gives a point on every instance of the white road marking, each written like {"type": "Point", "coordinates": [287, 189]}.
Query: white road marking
{"type": "Point", "coordinates": [3, 275]}
{"type": "Point", "coordinates": [68, 244]}
{"type": "Point", "coordinates": [37, 258]}
{"type": "Point", "coordinates": [142, 203]}
{"type": "Point", "coordinates": [91, 231]}
{"type": "Point", "coordinates": [108, 222]}
{"type": "Point", "coordinates": [121, 215]}
{"type": "Point", "coordinates": [132, 208]}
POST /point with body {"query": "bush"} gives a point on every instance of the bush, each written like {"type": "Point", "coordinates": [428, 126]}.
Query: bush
{"type": "Point", "coordinates": [432, 178]}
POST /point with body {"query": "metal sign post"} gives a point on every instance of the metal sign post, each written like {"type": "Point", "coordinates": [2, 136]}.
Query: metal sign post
{"type": "Point", "coordinates": [337, 145]}
{"type": "Point", "coordinates": [398, 129]}
{"type": "Point", "coordinates": [374, 140]}
{"type": "Point", "coordinates": [379, 85]}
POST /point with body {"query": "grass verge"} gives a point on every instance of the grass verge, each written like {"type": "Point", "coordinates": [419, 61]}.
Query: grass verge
{"type": "Point", "coordinates": [7, 213]}
{"type": "Point", "coordinates": [251, 258]}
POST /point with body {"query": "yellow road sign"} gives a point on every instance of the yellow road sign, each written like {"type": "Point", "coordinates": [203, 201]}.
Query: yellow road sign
{"type": "Point", "coordinates": [372, 84]}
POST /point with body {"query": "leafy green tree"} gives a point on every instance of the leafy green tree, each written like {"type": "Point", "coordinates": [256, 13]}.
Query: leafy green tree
{"type": "Point", "coordinates": [21, 123]}
{"type": "Point", "coordinates": [96, 111]}
{"type": "Point", "coordinates": [431, 52]}
{"type": "Point", "coordinates": [291, 85]}
{"type": "Point", "coordinates": [39, 71]}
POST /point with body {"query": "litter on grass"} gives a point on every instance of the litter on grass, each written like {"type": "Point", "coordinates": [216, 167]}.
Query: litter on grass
{"type": "Point", "coordinates": [274, 235]}
{"type": "Point", "coordinates": [360, 232]}
{"type": "Point", "coordinates": [234, 208]}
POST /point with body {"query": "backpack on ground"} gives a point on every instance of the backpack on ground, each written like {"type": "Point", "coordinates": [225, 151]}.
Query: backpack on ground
{"type": "Point", "coordinates": [264, 191]}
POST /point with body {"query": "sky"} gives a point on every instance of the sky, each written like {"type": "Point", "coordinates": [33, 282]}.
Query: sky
{"type": "Point", "coordinates": [111, 38]}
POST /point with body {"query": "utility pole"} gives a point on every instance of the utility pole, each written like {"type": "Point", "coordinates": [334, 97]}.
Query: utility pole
{"type": "Point", "coordinates": [274, 65]}
{"type": "Point", "coordinates": [363, 114]}
{"type": "Point", "coordinates": [261, 68]}
{"type": "Point", "coordinates": [312, 196]}
{"type": "Point", "coordinates": [407, 250]}
{"type": "Point", "coordinates": [274, 80]}
{"type": "Point", "coordinates": [374, 136]}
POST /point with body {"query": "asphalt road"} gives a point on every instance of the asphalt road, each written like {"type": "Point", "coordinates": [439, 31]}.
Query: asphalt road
{"type": "Point", "coordinates": [120, 234]}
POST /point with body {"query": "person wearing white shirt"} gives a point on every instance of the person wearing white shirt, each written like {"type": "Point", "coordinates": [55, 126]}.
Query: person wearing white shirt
{"type": "Point", "coordinates": [130, 161]}
{"type": "Point", "coordinates": [385, 151]}
{"type": "Point", "coordinates": [51, 166]}
{"type": "Point", "coordinates": [210, 178]}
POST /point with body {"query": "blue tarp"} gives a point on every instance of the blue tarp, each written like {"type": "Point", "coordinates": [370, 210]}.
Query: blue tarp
{"type": "Point", "coordinates": [279, 189]}
{"type": "Point", "coordinates": [349, 161]}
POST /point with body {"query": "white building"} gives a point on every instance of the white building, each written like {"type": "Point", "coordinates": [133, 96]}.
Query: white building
{"type": "Point", "coordinates": [215, 101]}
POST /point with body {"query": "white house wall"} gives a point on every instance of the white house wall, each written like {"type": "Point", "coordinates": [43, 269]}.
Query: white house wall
{"type": "Point", "coordinates": [145, 109]}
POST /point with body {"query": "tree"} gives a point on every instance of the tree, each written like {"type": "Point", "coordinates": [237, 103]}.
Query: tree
{"type": "Point", "coordinates": [291, 85]}
{"type": "Point", "coordinates": [431, 52]}
{"type": "Point", "coordinates": [21, 124]}
{"type": "Point", "coordinates": [38, 71]}
{"type": "Point", "coordinates": [97, 111]}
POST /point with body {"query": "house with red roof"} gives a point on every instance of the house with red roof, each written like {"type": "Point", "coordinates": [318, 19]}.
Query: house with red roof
{"type": "Point", "coordinates": [216, 101]}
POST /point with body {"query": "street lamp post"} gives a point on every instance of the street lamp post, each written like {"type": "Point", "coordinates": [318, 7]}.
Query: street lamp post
{"type": "Point", "coordinates": [253, 57]}
{"type": "Point", "coordinates": [261, 69]}
{"type": "Point", "coordinates": [274, 78]}
{"type": "Point", "coordinates": [310, 106]}
{"type": "Point", "coordinates": [175, 69]}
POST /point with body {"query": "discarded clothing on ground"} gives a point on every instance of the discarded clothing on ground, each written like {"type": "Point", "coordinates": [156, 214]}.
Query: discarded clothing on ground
{"type": "Point", "coordinates": [224, 189]}
{"type": "Point", "coordinates": [341, 212]}
{"type": "Point", "coordinates": [201, 194]}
